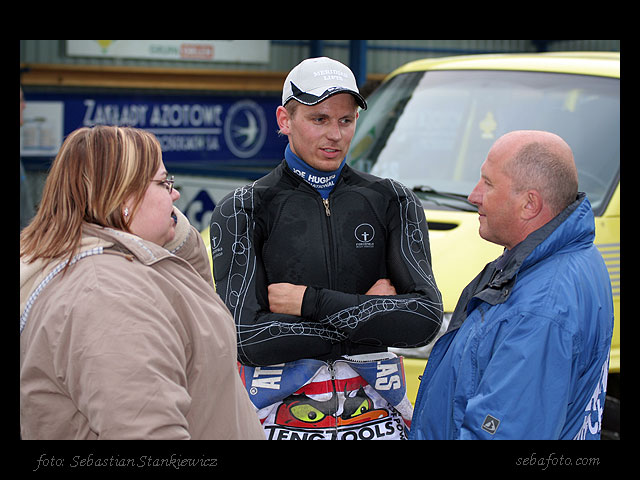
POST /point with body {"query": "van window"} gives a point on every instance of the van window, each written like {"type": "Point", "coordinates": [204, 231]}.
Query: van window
{"type": "Point", "coordinates": [435, 128]}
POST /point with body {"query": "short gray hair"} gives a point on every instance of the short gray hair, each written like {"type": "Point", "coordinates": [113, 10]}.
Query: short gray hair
{"type": "Point", "coordinates": [539, 167]}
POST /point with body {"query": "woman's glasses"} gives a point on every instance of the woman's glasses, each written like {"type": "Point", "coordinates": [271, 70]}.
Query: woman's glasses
{"type": "Point", "coordinates": [168, 183]}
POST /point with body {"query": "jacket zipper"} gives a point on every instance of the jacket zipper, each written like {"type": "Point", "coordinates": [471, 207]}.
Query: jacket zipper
{"type": "Point", "coordinates": [325, 201]}
{"type": "Point", "coordinates": [331, 257]}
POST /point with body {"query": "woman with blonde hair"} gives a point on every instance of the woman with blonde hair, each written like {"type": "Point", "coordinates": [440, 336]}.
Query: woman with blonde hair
{"type": "Point", "coordinates": [122, 333]}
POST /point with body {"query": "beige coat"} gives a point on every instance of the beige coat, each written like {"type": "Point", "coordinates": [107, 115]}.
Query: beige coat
{"type": "Point", "coordinates": [131, 343]}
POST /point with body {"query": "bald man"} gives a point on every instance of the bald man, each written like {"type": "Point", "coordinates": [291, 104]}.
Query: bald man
{"type": "Point", "coordinates": [526, 352]}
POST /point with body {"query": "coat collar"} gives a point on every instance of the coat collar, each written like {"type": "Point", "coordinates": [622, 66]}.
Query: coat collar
{"type": "Point", "coordinates": [495, 282]}
{"type": "Point", "coordinates": [525, 252]}
{"type": "Point", "coordinates": [126, 243]}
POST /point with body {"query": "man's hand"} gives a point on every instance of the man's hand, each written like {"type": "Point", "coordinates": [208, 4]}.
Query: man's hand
{"type": "Point", "coordinates": [286, 298]}
{"type": "Point", "coordinates": [382, 287]}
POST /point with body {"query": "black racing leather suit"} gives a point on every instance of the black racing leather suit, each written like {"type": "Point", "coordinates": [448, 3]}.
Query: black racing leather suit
{"type": "Point", "coordinates": [278, 229]}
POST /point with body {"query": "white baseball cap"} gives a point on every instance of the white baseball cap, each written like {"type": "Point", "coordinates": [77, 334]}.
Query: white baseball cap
{"type": "Point", "coordinates": [315, 79]}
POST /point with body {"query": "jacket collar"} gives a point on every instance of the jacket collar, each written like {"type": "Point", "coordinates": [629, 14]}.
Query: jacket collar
{"type": "Point", "coordinates": [495, 282]}
{"type": "Point", "coordinates": [523, 253]}
{"type": "Point", "coordinates": [97, 240]}
{"type": "Point", "coordinates": [126, 243]}
{"type": "Point", "coordinates": [299, 182]}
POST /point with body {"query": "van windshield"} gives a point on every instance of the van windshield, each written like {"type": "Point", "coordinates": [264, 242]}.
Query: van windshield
{"type": "Point", "coordinates": [432, 130]}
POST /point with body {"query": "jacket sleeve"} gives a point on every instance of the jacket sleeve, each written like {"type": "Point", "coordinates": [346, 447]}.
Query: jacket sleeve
{"type": "Point", "coordinates": [524, 386]}
{"type": "Point", "coordinates": [264, 338]}
{"type": "Point", "coordinates": [410, 319]}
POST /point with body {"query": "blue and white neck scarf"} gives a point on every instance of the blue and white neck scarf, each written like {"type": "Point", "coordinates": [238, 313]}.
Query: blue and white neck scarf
{"type": "Point", "coordinates": [321, 181]}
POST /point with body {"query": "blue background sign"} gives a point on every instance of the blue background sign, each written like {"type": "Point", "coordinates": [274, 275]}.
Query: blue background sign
{"type": "Point", "coordinates": [228, 136]}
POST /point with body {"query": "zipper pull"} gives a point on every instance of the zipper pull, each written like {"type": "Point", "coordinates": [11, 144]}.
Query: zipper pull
{"type": "Point", "coordinates": [326, 206]}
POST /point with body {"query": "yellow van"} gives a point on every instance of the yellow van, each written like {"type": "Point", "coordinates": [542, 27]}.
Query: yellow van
{"type": "Point", "coordinates": [431, 123]}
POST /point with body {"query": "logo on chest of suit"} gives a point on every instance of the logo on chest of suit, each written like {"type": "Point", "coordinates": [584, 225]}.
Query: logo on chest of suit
{"type": "Point", "coordinates": [364, 234]}
{"type": "Point", "coordinates": [215, 237]}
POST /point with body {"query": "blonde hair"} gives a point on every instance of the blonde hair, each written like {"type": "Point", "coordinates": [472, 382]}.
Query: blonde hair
{"type": "Point", "coordinates": [96, 170]}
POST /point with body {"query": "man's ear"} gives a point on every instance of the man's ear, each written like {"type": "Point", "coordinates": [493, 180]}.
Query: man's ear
{"type": "Point", "coordinates": [532, 204]}
{"type": "Point", "coordinates": [282, 116]}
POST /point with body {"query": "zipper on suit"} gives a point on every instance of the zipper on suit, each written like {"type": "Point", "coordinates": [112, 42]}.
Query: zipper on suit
{"type": "Point", "coordinates": [330, 245]}
{"type": "Point", "coordinates": [332, 373]}
{"type": "Point", "coordinates": [325, 201]}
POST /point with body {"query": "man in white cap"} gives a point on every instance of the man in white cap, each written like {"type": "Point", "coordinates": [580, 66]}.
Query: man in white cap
{"type": "Point", "coordinates": [324, 267]}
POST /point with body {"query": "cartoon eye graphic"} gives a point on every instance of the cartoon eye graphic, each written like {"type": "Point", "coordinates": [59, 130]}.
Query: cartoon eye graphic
{"type": "Point", "coordinates": [302, 411]}
{"type": "Point", "coordinates": [364, 407]}
{"type": "Point", "coordinates": [356, 405]}
{"type": "Point", "coordinates": [306, 413]}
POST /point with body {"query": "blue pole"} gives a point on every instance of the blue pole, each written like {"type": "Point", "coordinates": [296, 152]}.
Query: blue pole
{"type": "Point", "coordinates": [315, 49]}
{"type": "Point", "coordinates": [358, 60]}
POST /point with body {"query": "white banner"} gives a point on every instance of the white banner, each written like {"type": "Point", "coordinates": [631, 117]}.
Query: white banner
{"type": "Point", "coordinates": [245, 51]}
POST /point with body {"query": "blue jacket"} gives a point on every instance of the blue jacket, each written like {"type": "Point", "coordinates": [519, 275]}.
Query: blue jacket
{"type": "Point", "coordinates": [527, 351]}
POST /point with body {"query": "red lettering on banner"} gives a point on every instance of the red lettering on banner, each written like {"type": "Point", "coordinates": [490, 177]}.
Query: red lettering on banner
{"type": "Point", "coordinates": [196, 52]}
